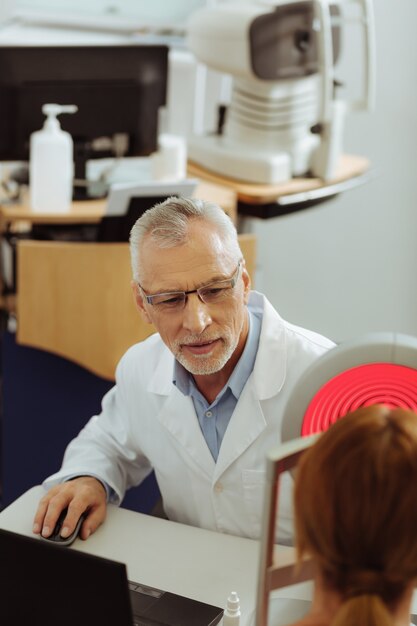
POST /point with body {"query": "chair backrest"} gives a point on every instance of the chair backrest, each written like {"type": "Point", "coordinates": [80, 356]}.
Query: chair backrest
{"type": "Point", "coordinates": [273, 572]}
{"type": "Point", "coordinates": [74, 299]}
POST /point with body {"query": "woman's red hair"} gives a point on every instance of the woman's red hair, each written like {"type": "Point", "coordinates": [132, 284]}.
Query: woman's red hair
{"type": "Point", "coordinates": [356, 510]}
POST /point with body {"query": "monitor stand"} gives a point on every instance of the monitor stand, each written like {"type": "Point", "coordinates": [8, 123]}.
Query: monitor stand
{"type": "Point", "coordinates": [82, 188]}
{"type": "Point", "coordinates": [88, 190]}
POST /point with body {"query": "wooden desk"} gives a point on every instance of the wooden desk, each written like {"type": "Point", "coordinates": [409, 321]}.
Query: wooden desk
{"type": "Point", "coordinates": [89, 212]}
{"type": "Point", "coordinates": [190, 561]}
{"type": "Point", "coordinates": [92, 211]}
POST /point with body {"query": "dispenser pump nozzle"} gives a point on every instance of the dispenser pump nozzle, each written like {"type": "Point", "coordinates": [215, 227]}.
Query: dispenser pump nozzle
{"type": "Point", "coordinates": [53, 110]}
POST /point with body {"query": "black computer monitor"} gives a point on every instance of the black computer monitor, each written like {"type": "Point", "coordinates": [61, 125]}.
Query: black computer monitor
{"type": "Point", "coordinates": [118, 90]}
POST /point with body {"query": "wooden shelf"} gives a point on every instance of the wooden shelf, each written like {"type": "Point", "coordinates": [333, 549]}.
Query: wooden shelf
{"type": "Point", "coordinates": [349, 167]}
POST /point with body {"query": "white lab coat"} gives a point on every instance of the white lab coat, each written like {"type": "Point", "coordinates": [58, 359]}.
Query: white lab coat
{"type": "Point", "coordinates": [146, 422]}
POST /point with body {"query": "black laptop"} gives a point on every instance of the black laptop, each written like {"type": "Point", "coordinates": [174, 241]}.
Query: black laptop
{"type": "Point", "coordinates": [42, 584]}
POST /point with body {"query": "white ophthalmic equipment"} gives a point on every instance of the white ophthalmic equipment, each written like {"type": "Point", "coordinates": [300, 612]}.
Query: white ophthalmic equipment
{"type": "Point", "coordinates": [284, 118]}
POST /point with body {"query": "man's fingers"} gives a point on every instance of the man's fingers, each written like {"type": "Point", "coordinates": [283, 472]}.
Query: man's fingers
{"type": "Point", "coordinates": [79, 495]}
{"type": "Point", "coordinates": [50, 506]}
{"type": "Point", "coordinates": [95, 518]}
{"type": "Point", "coordinates": [39, 516]}
{"type": "Point", "coordinates": [56, 505]}
{"type": "Point", "coordinates": [71, 519]}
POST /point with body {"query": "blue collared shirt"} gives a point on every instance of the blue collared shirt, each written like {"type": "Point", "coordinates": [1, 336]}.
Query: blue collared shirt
{"type": "Point", "coordinates": [214, 418]}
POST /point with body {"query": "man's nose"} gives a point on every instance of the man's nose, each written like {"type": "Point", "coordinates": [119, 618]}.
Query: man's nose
{"type": "Point", "coordinates": [196, 315]}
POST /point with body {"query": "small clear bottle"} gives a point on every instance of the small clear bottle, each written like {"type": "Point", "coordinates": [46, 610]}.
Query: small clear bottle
{"type": "Point", "coordinates": [231, 615]}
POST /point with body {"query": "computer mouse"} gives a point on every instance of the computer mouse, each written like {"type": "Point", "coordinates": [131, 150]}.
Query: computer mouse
{"type": "Point", "coordinates": [55, 536]}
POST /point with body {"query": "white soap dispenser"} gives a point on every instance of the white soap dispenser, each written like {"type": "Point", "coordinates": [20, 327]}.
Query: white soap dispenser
{"type": "Point", "coordinates": [51, 163]}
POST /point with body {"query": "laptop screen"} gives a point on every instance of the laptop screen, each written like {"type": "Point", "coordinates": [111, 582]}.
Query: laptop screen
{"type": "Point", "coordinates": [43, 584]}
{"type": "Point", "coordinates": [48, 585]}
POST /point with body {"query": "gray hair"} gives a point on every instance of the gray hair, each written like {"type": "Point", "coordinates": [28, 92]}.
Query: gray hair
{"type": "Point", "coordinates": [167, 224]}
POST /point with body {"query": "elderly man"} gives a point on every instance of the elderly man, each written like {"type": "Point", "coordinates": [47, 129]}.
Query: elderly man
{"type": "Point", "coordinates": [200, 401]}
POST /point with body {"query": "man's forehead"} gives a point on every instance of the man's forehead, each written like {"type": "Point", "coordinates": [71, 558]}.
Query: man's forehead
{"type": "Point", "coordinates": [182, 268]}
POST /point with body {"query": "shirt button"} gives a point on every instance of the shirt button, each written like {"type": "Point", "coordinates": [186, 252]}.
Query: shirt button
{"type": "Point", "coordinates": [209, 413]}
{"type": "Point", "coordinates": [218, 487]}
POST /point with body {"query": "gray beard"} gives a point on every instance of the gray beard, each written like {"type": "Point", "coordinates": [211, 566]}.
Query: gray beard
{"type": "Point", "coordinates": [203, 365]}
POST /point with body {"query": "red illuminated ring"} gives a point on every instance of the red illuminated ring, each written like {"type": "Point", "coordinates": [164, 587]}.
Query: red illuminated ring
{"type": "Point", "coordinates": [374, 383]}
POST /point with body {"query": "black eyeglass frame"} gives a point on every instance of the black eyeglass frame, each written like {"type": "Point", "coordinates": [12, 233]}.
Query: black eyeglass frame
{"type": "Point", "coordinates": [182, 295]}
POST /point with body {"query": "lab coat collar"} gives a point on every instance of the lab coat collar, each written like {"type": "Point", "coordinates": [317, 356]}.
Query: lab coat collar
{"type": "Point", "coordinates": [248, 421]}
{"type": "Point", "coordinates": [161, 381]}
{"type": "Point", "coordinates": [270, 364]}
{"type": "Point", "coordinates": [178, 416]}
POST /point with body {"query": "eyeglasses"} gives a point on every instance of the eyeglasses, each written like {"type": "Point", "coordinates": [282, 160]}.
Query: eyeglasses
{"type": "Point", "coordinates": [213, 293]}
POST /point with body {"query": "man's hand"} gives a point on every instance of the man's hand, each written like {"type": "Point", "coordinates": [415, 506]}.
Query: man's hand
{"type": "Point", "coordinates": [80, 494]}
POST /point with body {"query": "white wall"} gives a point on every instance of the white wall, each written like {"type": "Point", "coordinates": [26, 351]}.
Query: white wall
{"type": "Point", "coordinates": [349, 266]}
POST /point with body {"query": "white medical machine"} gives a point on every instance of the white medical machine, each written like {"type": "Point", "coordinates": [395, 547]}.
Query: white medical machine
{"type": "Point", "coordinates": [285, 117]}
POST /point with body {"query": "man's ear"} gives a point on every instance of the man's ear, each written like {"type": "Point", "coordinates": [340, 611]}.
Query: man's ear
{"type": "Point", "coordinates": [140, 303]}
{"type": "Point", "coordinates": [246, 282]}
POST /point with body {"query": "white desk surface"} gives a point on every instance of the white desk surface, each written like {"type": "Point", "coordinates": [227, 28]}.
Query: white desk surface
{"type": "Point", "coordinates": [190, 561]}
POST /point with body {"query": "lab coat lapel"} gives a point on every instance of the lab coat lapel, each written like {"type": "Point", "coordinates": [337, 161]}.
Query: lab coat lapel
{"type": "Point", "coordinates": [271, 361]}
{"type": "Point", "coordinates": [268, 376]}
{"type": "Point", "coordinates": [179, 418]}
{"type": "Point", "coordinates": [245, 426]}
